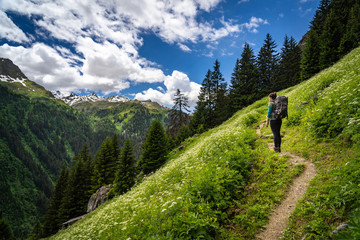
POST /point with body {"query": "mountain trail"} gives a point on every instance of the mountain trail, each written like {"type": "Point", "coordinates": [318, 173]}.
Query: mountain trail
{"type": "Point", "coordinates": [279, 218]}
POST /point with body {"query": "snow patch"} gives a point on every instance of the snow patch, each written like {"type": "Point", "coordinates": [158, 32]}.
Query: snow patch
{"type": "Point", "coordinates": [8, 79]}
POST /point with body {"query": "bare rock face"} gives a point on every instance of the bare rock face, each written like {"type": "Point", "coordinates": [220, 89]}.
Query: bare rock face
{"type": "Point", "coordinates": [98, 198]}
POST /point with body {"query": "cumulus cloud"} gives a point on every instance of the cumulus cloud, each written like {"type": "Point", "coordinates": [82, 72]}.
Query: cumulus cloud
{"type": "Point", "coordinates": [177, 80]}
{"type": "Point", "coordinates": [10, 31]}
{"type": "Point", "coordinates": [254, 23]}
{"type": "Point", "coordinates": [106, 37]}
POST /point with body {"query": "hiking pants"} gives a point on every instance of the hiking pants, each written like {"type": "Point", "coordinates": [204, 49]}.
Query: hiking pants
{"type": "Point", "coordinates": [275, 128]}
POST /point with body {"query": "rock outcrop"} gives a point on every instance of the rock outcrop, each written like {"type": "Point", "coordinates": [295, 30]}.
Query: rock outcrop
{"type": "Point", "coordinates": [98, 198]}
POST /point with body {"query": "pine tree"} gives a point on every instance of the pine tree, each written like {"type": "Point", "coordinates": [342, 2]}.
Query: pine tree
{"type": "Point", "coordinates": [53, 217]}
{"type": "Point", "coordinates": [243, 89]}
{"type": "Point", "coordinates": [289, 68]}
{"type": "Point", "coordinates": [125, 176]}
{"type": "Point", "coordinates": [221, 103]}
{"type": "Point", "coordinates": [105, 165]}
{"type": "Point", "coordinates": [116, 148]}
{"type": "Point", "coordinates": [320, 16]}
{"type": "Point", "coordinates": [184, 133]}
{"type": "Point", "coordinates": [154, 149]}
{"type": "Point", "coordinates": [351, 39]}
{"type": "Point", "coordinates": [178, 115]}
{"type": "Point", "coordinates": [267, 64]}
{"type": "Point", "coordinates": [204, 117]}
{"type": "Point", "coordinates": [77, 193]}
{"type": "Point", "coordinates": [330, 39]}
{"type": "Point", "coordinates": [310, 62]}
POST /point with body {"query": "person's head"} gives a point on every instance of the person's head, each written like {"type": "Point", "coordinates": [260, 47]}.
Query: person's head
{"type": "Point", "coordinates": [272, 96]}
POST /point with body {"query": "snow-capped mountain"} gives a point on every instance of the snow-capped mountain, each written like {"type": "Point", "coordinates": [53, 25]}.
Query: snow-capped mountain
{"type": "Point", "coordinates": [75, 99]}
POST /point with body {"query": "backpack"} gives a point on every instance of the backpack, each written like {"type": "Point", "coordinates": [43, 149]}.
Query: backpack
{"type": "Point", "coordinates": [281, 105]}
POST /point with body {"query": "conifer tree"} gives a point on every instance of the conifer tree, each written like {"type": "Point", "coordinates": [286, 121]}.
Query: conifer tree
{"type": "Point", "coordinates": [116, 148]}
{"type": "Point", "coordinates": [183, 134]}
{"type": "Point", "coordinates": [203, 117]}
{"type": "Point", "coordinates": [77, 192]}
{"type": "Point", "coordinates": [330, 39]}
{"type": "Point", "coordinates": [267, 64]}
{"type": "Point", "coordinates": [221, 103]}
{"type": "Point", "coordinates": [289, 68]}
{"type": "Point", "coordinates": [53, 217]}
{"type": "Point", "coordinates": [320, 16]}
{"type": "Point", "coordinates": [125, 175]}
{"type": "Point", "coordinates": [243, 89]}
{"type": "Point", "coordinates": [351, 39]}
{"type": "Point", "coordinates": [310, 62]}
{"type": "Point", "coordinates": [105, 165]}
{"type": "Point", "coordinates": [178, 115]}
{"type": "Point", "coordinates": [154, 149]}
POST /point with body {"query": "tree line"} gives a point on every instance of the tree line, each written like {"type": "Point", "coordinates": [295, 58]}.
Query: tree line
{"type": "Point", "coordinates": [334, 31]}
{"type": "Point", "coordinates": [111, 165]}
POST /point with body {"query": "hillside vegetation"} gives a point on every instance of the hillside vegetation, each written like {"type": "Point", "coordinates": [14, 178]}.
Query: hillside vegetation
{"type": "Point", "coordinates": [225, 183]}
{"type": "Point", "coordinates": [127, 119]}
{"type": "Point", "coordinates": [37, 137]}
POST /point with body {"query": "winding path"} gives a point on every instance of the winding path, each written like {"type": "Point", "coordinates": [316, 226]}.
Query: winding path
{"type": "Point", "coordinates": [279, 218]}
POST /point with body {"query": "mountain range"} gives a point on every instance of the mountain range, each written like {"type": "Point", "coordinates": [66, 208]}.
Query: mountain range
{"type": "Point", "coordinates": [73, 99]}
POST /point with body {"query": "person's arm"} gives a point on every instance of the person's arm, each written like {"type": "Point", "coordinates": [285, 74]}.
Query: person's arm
{"type": "Point", "coordinates": [269, 114]}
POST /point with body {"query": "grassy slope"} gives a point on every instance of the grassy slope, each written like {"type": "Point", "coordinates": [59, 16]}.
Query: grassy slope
{"type": "Point", "coordinates": [208, 190]}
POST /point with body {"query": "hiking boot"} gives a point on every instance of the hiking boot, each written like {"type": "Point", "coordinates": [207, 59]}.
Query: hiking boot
{"type": "Point", "coordinates": [277, 149]}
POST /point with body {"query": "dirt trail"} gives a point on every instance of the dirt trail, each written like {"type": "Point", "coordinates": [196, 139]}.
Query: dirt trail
{"type": "Point", "coordinates": [279, 218]}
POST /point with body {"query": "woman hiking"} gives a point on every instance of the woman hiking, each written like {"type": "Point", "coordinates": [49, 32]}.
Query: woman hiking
{"type": "Point", "coordinates": [275, 123]}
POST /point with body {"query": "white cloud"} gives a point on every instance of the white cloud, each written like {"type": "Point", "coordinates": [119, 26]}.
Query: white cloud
{"type": "Point", "coordinates": [184, 47]}
{"type": "Point", "coordinates": [105, 37]}
{"type": "Point", "coordinates": [10, 31]}
{"type": "Point", "coordinates": [177, 80]}
{"type": "Point", "coordinates": [243, 1]}
{"type": "Point", "coordinates": [305, 1]}
{"type": "Point", "coordinates": [254, 23]}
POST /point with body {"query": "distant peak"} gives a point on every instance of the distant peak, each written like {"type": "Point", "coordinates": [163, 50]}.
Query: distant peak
{"type": "Point", "coordinates": [73, 98]}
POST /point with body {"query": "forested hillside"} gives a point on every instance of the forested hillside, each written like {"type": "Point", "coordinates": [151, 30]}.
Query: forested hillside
{"type": "Point", "coordinates": [40, 135]}
{"type": "Point", "coordinates": [127, 119]}
{"type": "Point", "coordinates": [225, 183]}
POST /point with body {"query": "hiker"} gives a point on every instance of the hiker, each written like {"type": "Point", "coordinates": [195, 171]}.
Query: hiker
{"type": "Point", "coordinates": [275, 123]}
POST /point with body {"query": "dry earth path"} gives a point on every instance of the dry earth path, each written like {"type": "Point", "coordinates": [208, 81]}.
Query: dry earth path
{"type": "Point", "coordinates": [280, 216]}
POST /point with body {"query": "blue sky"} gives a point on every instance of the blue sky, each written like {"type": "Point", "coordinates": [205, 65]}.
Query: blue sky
{"type": "Point", "coordinates": [143, 49]}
